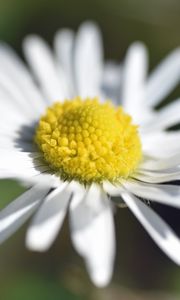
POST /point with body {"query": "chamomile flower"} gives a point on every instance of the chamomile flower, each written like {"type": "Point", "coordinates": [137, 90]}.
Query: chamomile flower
{"type": "Point", "coordinates": [80, 131]}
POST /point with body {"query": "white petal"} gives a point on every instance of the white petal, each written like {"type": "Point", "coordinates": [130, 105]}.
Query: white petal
{"type": "Point", "coordinates": [45, 179]}
{"type": "Point", "coordinates": [42, 63]}
{"type": "Point", "coordinates": [154, 164]}
{"type": "Point", "coordinates": [12, 93]}
{"type": "Point", "coordinates": [111, 189]}
{"type": "Point", "coordinates": [22, 164]}
{"type": "Point", "coordinates": [16, 129]}
{"type": "Point", "coordinates": [9, 105]}
{"type": "Point", "coordinates": [63, 43]}
{"type": "Point", "coordinates": [161, 144]}
{"type": "Point", "coordinates": [164, 78]}
{"type": "Point", "coordinates": [16, 213]}
{"type": "Point", "coordinates": [166, 117]}
{"type": "Point", "coordinates": [115, 191]}
{"type": "Point", "coordinates": [48, 220]}
{"type": "Point", "coordinates": [16, 70]}
{"type": "Point", "coordinates": [160, 232]}
{"type": "Point", "coordinates": [134, 76]}
{"type": "Point", "coordinates": [9, 144]}
{"type": "Point", "coordinates": [14, 160]}
{"type": "Point", "coordinates": [92, 232]}
{"type": "Point", "coordinates": [12, 114]}
{"type": "Point", "coordinates": [165, 194]}
{"type": "Point", "coordinates": [88, 60]}
{"type": "Point", "coordinates": [5, 175]}
{"type": "Point", "coordinates": [28, 178]}
{"type": "Point", "coordinates": [157, 177]}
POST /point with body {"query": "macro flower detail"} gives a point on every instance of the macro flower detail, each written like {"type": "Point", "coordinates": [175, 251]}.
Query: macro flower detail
{"type": "Point", "coordinates": [79, 131]}
{"type": "Point", "coordinates": [87, 141]}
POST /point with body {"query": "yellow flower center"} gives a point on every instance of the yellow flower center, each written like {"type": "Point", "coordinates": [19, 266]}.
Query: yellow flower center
{"type": "Point", "coordinates": [89, 141]}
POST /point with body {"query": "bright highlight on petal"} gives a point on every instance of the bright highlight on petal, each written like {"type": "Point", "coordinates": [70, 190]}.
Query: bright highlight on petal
{"type": "Point", "coordinates": [89, 141]}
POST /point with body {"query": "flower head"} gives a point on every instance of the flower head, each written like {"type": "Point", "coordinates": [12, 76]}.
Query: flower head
{"type": "Point", "coordinates": [87, 141]}
{"type": "Point", "coordinates": [84, 132]}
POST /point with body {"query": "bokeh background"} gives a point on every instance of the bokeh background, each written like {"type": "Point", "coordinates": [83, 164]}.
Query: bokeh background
{"type": "Point", "coordinates": [141, 270]}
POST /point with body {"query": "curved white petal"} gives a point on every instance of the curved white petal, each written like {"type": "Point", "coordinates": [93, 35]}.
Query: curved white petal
{"type": "Point", "coordinates": [160, 164]}
{"type": "Point", "coordinates": [92, 232]}
{"type": "Point", "coordinates": [111, 189]}
{"type": "Point", "coordinates": [13, 115]}
{"type": "Point", "coordinates": [134, 76]}
{"type": "Point", "coordinates": [157, 177]}
{"type": "Point", "coordinates": [22, 175]}
{"type": "Point", "coordinates": [88, 60]}
{"type": "Point", "coordinates": [165, 194]}
{"type": "Point", "coordinates": [160, 232]}
{"type": "Point", "coordinates": [161, 144]}
{"type": "Point", "coordinates": [26, 177]}
{"type": "Point", "coordinates": [18, 73]}
{"type": "Point", "coordinates": [11, 107]}
{"type": "Point", "coordinates": [21, 164]}
{"type": "Point", "coordinates": [48, 220]}
{"type": "Point", "coordinates": [18, 160]}
{"type": "Point", "coordinates": [17, 144]}
{"type": "Point", "coordinates": [164, 78]}
{"type": "Point", "coordinates": [44, 178]}
{"type": "Point", "coordinates": [17, 212]}
{"type": "Point", "coordinates": [6, 175]}
{"type": "Point", "coordinates": [42, 63]}
{"type": "Point", "coordinates": [166, 117]}
{"type": "Point", "coordinates": [16, 129]}
{"type": "Point", "coordinates": [63, 44]}
{"type": "Point", "coordinates": [11, 93]}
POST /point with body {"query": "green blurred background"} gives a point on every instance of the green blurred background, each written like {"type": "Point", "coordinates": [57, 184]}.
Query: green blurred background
{"type": "Point", "coordinates": [141, 270]}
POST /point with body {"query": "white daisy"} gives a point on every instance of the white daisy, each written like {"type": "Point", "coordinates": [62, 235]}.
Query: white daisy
{"type": "Point", "coordinates": [76, 154]}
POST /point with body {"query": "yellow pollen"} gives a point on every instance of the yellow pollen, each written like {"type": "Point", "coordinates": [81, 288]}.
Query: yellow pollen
{"type": "Point", "coordinates": [89, 141]}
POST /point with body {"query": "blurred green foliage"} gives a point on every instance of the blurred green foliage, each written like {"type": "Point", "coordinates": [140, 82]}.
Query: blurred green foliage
{"type": "Point", "coordinates": [9, 189]}
{"type": "Point", "coordinates": [30, 286]}
{"type": "Point", "coordinates": [155, 22]}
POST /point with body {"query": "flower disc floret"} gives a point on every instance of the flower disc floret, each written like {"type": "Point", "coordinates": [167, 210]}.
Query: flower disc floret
{"type": "Point", "coordinates": [89, 141]}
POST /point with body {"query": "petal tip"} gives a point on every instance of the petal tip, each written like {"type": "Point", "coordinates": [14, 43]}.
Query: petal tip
{"type": "Point", "coordinates": [35, 243]}
{"type": "Point", "coordinates": [101, 278]}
